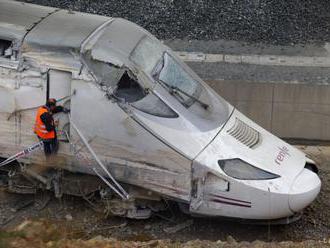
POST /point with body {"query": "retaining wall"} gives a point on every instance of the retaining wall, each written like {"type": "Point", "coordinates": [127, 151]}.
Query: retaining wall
{"type": "Point", "coordinates": [297, 111]}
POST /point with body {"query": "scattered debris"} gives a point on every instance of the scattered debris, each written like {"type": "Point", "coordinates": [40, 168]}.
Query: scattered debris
{"type": "Point", "coordinates": [68, 217]}
{"type": "Point", "coordinates": [7, 220]}
{"type": "Point", "coordinates": [147, 227]}
{"type": "Point", "coordinates": [41, 203]}
{"type": "Point", "coordinates": [122, 225]}
{"type": "Point", "coordinates": [231, 240]}
{"type": "Point", "coordinates": [21, 204]}
{"type": "Point", "coordinates": [179, 227]}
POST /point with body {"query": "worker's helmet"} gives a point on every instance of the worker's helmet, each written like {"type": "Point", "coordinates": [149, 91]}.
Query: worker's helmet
{"type": "Point", "coordinates": [51, 102]}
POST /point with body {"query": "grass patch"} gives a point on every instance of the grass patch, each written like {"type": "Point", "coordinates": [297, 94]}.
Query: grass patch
{"type": "Point", "coordinates": [6, 236]}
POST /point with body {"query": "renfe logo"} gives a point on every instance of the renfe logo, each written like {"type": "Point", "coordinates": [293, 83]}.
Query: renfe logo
{"type": "Point", "coordinates": [284, 151]}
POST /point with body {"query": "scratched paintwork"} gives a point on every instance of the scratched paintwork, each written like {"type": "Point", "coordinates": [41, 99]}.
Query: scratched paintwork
{"type": "Point", "coordinates": [177, 157]}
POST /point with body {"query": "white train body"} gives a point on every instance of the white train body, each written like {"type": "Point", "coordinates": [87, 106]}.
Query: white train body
{"type": "Point", "coordinates": [153, 122]}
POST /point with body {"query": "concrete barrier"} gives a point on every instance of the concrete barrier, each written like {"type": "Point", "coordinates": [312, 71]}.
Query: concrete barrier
{"type": "Point", "coordinates": [299, 111]}
{"type": "Point", "coordinates": [287, 95]}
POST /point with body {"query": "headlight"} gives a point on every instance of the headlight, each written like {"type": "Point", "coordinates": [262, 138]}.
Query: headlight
{"type": "Point", "coordinates": [239, 169]}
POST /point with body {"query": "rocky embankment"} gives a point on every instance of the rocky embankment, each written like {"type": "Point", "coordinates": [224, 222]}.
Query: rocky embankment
{"type": "Point", "coordinates": [273, 22]}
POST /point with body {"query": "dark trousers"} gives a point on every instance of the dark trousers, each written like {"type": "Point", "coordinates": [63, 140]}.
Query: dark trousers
{"type": "Point", "coordinates": [50, 146]}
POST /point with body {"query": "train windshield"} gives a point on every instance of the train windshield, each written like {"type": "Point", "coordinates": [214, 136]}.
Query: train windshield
{"type": "Point", "coordinates": [177, 80]}
{"type": "Point", "coordinates": [147, 53]}
{"type": "Point", "coordinates": [154, 59]}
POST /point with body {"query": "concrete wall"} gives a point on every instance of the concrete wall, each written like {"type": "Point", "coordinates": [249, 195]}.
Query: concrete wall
{"type": "Point", "coordinates": [288, 110]}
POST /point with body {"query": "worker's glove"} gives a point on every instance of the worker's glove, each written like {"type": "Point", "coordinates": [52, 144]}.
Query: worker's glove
{"type": "Point", "coordinates": [65, 110]}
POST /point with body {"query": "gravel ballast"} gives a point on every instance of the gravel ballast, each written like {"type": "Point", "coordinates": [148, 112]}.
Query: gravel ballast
{"type": "Point", "coordinates": [274, 22]}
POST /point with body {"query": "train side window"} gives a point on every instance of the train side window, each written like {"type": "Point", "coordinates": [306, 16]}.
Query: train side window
{"type": "Point", "coordinates": [129, 89]}
{"type": "Point", "coordinates": [6, 49]}
{"type": "Point", "coordinates": [153, 105]}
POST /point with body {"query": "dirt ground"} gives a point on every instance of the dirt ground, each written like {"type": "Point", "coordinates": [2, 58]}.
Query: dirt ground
{"type": "Point", "coordinates": [42, 220]}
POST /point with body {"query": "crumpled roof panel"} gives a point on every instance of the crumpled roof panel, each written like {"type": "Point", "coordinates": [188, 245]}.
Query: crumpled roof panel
{"type": "Point", "coordinates": [120, 35]}
{"type": "Point", "coordinates": [17, 18]}
{"type": "Point", "coordinates": [64, 30]}
{"type": "Point", "coordinates": [117, 41]}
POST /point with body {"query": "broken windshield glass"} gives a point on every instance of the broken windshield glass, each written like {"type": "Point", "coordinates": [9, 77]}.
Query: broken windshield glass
{"type": "Point", "coordinates": [153, 105]}
{"type": "Point", "coordinates": [129, 89]}
{"type": "Point", "coordinates": [174, 77]}
{"type": "Point", "coordinates": [106, 74]}
{"type": "Point", "coordinates": [178, 92]}
{"type": "Point", "coordinates": [147, 53]}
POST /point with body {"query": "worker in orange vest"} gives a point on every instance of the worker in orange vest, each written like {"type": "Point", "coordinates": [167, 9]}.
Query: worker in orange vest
{"type": "Point", "coordinates": [45, 126]}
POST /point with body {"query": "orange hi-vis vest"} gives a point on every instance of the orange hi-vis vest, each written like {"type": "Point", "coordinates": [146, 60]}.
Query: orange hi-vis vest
{"type": "Point", "coordinates": [40, 128]}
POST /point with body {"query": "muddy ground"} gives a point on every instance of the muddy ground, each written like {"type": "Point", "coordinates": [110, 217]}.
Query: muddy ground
{"type": "Point", "coordinates": [74, 218]}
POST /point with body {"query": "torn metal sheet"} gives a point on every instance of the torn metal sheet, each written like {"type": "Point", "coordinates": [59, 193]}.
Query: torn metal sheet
{"type": "Point", "coordinates": [61, 60]}
{"type": "Point", "coordinates": [105, 56]}
{"type": "Point", "coordinates": [120, 35]}
{"type": "Point", "coordinates": [106, 74]}
{"type": "Point", "coordinates": [117, 42]}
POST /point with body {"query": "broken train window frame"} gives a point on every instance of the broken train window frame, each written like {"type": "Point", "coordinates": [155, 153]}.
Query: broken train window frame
{"type": "Point", "coordinates": [150, 103]}
{"type": "Point", "coordinates": [149, 43]}
{"type": "Point", "coordinates": [154, 45]}
{"type": "Point", "coordinates": [175, 90]}
{"type": "Point", "coordinates": [140, 104]}
{"type": "Point", "coordinates": [12, 62]}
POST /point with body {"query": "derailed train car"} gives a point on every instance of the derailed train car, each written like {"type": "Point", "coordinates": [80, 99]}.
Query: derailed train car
{"type": "Point", "coordinates": [160, 130]}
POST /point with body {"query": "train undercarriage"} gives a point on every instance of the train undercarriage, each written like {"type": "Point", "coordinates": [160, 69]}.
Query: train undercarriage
{"type": "Point", "coordinates": [30, 179]}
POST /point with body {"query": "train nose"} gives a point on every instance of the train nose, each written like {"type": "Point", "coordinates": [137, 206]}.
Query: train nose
{"type": "Point", "coordinates": [304, 190]}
